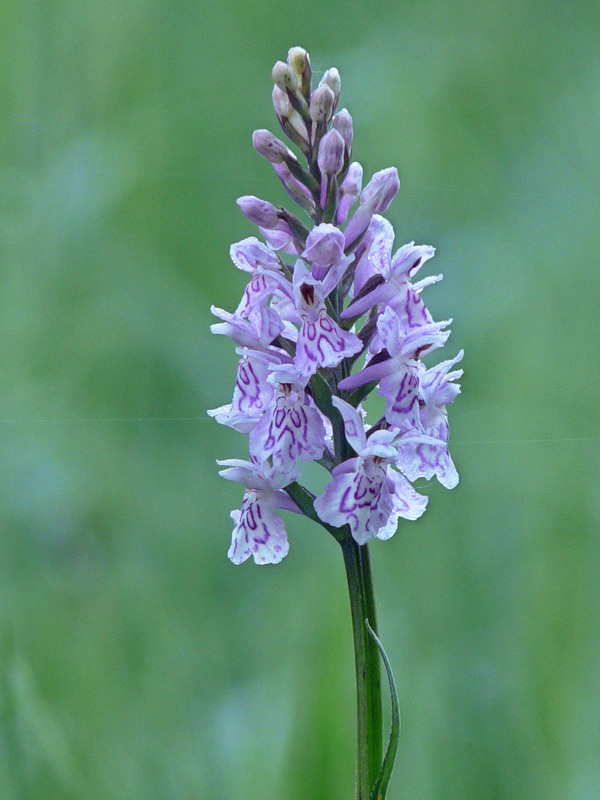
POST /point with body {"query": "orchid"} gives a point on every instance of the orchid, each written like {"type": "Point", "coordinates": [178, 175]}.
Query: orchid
{"type": "Point", "coordinates": [329, 314]}
{"type": "Point", "coordinates": [259, 531]}
{"type": "Point", "coordinates": [366, 493]}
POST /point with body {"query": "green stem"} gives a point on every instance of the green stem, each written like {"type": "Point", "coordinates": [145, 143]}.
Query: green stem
{"type": "Point", "coordinates": [368, 669]}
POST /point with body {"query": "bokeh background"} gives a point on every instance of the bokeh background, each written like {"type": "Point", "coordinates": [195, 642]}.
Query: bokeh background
{"type": "Point", "coordinates": [135, 660]}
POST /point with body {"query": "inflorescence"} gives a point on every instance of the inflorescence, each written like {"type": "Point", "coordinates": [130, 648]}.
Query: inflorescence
{"type": "Point", "coordinates": [329, 315]}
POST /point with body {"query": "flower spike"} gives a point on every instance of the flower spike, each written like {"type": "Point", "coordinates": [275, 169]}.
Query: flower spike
{"type": "Point", "coordinates": [329, 314]}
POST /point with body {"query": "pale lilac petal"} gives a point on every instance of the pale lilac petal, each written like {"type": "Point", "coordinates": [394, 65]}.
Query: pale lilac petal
{"type": "Point", "coordinates": [347, 500]}
{"type": "Point", "coordinates": [262, 326]}
{"type": "Point", "coordinates": [372, 372]}
{"type": "Point", "coordinates": [259, 532]}
{"type": "Point", "coordinates": [380, 444]}
{"type": "Point", "coordinates": [357, 225]}
{"type": "Point", "coordinates": [322, 343]}
{"type": "Point", "coordinates": [353, 499]}
{"type": "Point", "coordinates": [426, 459]}
{"type": "Point", "coordinates": [335, 274]}
{"type": "Point", "coordinates": [375, 199]}
{"type": "Point", "coordinates": [379, 226]}
{"type": "Point", "coordinates": [390, 332]}
{"type": "Point", "coordinates": [324, 248]}
{"type": "Point", "coordinates": [256, 291]}
{"type": "Point", "coordinates": [409, 259]}
{"type": "Point", "coordinates": [349, 191]}
{"type": "Point", "coordinates": [437, 385]}
{"type": "Point", "coordinates": [353, 424]}
{"type": "Point", "coordinates": [252, 394]}
{"type": "Point", "coordinates": [280, 239]}
{"type": "Point", "coordinates": [244, 472]}
{"type": "Point", "coordinates": [256, 475]}
{"type": "Point", "coordinates": [401, 390]}
{"type": "Point", "coordinates": [411, 310]}
{"type": "Point", "coordinates": [405, 502]}
{"type": "Point", "coordinates": [380, 253]}
{"type": "Point", "coordinates": [230, 416]}
{"type": "Point", "coordinates": [428, 281]}
{"type": "Point", "coordinates": [380, 294]}
{"type": "Point", "coordinates": [250, 253]}
{"type": "Point", "coordinates": [409, 344]}
{"type": "Point", "coordinates": [292, 429]}
{"type": "Point", "coordinates": [381, 190]}
{"type": "Point", "coordinates": [283, 502]}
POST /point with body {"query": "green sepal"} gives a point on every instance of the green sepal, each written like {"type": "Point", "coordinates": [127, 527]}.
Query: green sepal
{"type": "Point", "coordinates": [302, 175]}
{"type": "Point", "coordinates": [361, 392]}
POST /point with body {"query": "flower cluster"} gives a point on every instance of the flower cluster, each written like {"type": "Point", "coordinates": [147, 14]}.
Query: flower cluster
{"type": "Point", "coordinates": [330, 313]}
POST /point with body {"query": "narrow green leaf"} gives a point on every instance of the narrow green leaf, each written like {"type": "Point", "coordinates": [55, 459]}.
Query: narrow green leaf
{"type": "Point", "coordinates": [380, 787]}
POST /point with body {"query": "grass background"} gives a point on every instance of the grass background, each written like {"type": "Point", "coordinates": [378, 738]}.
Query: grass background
{"type": "Point", "coordinates": [135, 661]}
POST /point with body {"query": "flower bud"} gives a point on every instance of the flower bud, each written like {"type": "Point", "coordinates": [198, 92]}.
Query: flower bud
{"type": "Point", "coordinates": [381, 190]}
{"type": "Point", "coordinates": [299, 61]}
{"type": "Point", "coordinates": [285, 77]}
{"type": "Point", "coordinates": [353, 181]}
{"type": "Point", "coordinates": [324, 248]}
{"type": "Point", "coordinates": [289, 119]}
{"type": "Point", "coordinates": [331, 153]}
{"type": "Point", "coordinates": [342, 122]}
{"type": "Point", "coordinates": [295, 188]}
{"type": "Point", "coordinates": [332, 79]}
{"type": "Point", "coordinates": [260, 212]}
{"type": "Point", "coordinates": [321, 104]}
{"type": "Point", "coordinates": [349, 191]}
{"type": "Point", "coordinates": [375, 198]}
{"type": "Point", "coordinates": [269, 146]}
{"type": "Point", "coordinates": [281, 103]}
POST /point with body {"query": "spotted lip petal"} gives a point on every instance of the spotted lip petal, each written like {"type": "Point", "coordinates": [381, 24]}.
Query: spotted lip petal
{"type": "Point", "coordinates": [321, 341]}
{"type": "Point", "coordinates": [291, 429]}
{"type": "Point", "coordinates": [369, 499]}
{"type": "Point", "coordinates": [258, 531]}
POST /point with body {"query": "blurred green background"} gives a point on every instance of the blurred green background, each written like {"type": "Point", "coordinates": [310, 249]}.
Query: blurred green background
{"type": "Point", "coordinates": [135, 660]}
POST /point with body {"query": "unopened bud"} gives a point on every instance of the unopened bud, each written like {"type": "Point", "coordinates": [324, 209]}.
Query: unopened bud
{"type": "Point", "coordinates": [260, 212]}
{"type": "Point", "coordinates": [295, 188]}
{"type": "Point", "coordinates": [269, 146]}
{"type": "Point", "coordinates": [289, 119]}
{"type": "Point", "coordinates": [375, 198]}
{"type": "Point", "coordinates": [381, 190]}
{"type": "Point", "coordinates": [281, 102]}
{"type": "Point", "coordinates": [299, 61]}
{"type": "Point", "coordinates": [324, 249]}
{"type": "Point", "coordinates": [332, 79]}
{"type": "Point", "coordinates": [343, 123]}
{"type": "Point", "coordinates": [353, 181]}
{"type": "Point", "coordinates": [349, 191]}
{"type": "Point", "coordinates": [331, 153]}
{"type": "Point", "coordinates": [285, 77]}
{"type": "Point", "coordinates": [321, 104]}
